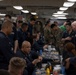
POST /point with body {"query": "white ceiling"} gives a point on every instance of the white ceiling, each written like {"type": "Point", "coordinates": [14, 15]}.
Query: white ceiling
{"type": "Point", "coordinates": [44, 8]}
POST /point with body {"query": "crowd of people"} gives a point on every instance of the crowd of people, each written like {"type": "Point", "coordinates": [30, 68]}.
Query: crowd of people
{"type": "Point", "coordinates": [21, 43]}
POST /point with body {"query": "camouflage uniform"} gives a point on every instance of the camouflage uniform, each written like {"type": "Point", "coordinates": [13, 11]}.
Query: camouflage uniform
{"type": "Point", "coordinates": [47, 34]}
{"type": "Point", "coordinates": [57, 36]}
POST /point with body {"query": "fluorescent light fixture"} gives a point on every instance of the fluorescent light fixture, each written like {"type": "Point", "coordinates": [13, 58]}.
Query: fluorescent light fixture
{"type": "Point", "coordinates": [72, 0]}
{"type": "Point", "coordinates": [63, 8]}
{"type": "Point", "coordinates": [33, 13]}
{"type": "Point", "coordinates": [61, 18]}
{"type": "Point", "coordinates": [18, 7]}
{"type": "Point", "coordinates": [2, 14]}
{"type": "Point", "coordinates": [25, 11]}
{"type": "Point", "coordinates": [60, 12]}
{"type": "Point", "coordinates": [68, 4]}
{"type": "Point", "coordinates": [57, 15]}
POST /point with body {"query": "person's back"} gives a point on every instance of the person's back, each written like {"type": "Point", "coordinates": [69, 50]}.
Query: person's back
{"type": "Point", "coordinates": [6, 49]}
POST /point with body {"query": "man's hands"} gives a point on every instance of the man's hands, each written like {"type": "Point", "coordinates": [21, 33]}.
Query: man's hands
{"type": "Point", "coordinates": [39, 59]}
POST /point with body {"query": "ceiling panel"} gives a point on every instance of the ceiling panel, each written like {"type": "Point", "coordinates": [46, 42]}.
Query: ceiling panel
{"type": "Point", "coordinates": [42, 7]}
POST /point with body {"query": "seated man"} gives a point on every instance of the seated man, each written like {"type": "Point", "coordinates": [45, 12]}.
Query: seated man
{"type": "Point", "coordinates": [25, 54]}
{"type": "Point", "coordinates": [16, 66]}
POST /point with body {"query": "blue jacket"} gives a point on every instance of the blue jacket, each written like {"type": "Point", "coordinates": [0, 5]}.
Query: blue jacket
{"type": "Point", "coordinates": [30, 67]}
{"type": "Point", "coordinates": [6, 51]}
{"type": "Point", "coordinates": [13, 36]}
{"type": "Point", "coordinates": [30, 29]}
{"type": "Point", "coordinates": [21, 37]}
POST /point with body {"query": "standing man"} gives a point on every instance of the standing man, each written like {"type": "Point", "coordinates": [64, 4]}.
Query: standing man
{"type": "Point", "coordinates": [30, 26]}
{"type": "Point", "coordinates": [22, 34]}
{"type": "Point", "coordinates": [13, 36]}
{"type": "Point", "coordinates": [63, 27]}
{"type": "Point", "coordinates": [47, 32]}
{"type": "Point", "coordinates": [6, 49]}
{"type": "Point", "coordinates": [57, 35]}
{"type": "Point", "coordinates": [69, 35]}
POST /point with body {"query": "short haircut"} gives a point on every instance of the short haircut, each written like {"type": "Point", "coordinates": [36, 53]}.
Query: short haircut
{"type": "Point", "coordinates": [17, 63]}
{"type": "Point", "coordinates": [53, 25]}
{"type": "Point", "coordinates": [32, 19]}
{"type": "Point", "coordinates": [4, 72]}
{"type": "Point", "coordinates": [6, 24]}
{"type": "Point", "coordinates": [24, 25]}
{"type": "Point", "coordinates": [69, 46]}
{"type": "Point", "coordinates": [7, 15]}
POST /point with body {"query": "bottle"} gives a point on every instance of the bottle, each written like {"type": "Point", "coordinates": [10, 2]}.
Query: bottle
{"type": "Point", "coordinates": [47, 71]}
{"type": "Point", "coordinates": [50, 67]}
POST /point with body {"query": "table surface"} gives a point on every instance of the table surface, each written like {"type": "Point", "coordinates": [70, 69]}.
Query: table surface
{"type": "Point", "coordinates": [49, 55]}
{"type": "Point", "coordinates": [42, 71]}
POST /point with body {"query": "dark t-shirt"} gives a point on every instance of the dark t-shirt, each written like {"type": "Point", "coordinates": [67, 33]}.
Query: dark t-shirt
{"type": "Point", "coordinates": [72, 35]}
